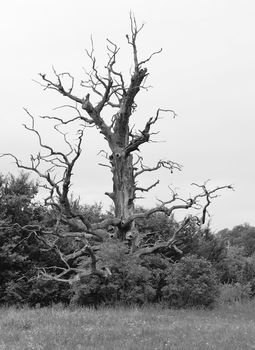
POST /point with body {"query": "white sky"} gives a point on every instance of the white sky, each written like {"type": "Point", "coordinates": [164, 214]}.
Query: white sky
{"type": "Point", "coordinates": [206, 73]}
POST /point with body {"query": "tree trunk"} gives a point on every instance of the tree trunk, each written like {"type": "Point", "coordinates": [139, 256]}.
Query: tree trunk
{"type": "Point", "coordinates": [122, 169]}
{"type": "Point", "coordinates": [123, 190]}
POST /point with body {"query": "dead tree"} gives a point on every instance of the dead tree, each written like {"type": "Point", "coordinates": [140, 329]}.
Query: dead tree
{"type": "Point", "coordinates": [126, 165]}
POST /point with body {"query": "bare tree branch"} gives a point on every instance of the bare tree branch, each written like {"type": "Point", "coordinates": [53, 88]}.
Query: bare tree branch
{"type": "Point", "coordinates": [74, 274]}
{"type": "Point", "coordinates": [189, 203]}
{"type": "Point", "coordinates": [166, 164]}
{"type": "Point", "coordinates": [145, 134]}
{"type": "Point", "coordinates": [171, 243]}
{"type": "Point", "coordinates": [148, 188]}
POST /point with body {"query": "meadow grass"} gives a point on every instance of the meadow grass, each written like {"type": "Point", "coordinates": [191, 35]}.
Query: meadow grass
{"type": "Point", "coordinates": [226, 327]}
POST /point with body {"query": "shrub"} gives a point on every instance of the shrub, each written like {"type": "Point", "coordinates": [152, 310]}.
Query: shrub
{"type": "Point", "coordinates": [190, 282]}
{"type": "Point", "coordinates": [130, 283]}
{"type": "Point", "coordinates": [158, 267]}
{"type": "Point", "coordinates": [234, 292]}
{"type": "Point", "coordinates": [232, 268]}
{"type": "Point", "coordinates": [87, 292]}
{"type": "Point", "coordinates": [36, 292]}
{"type": "Point", "coordinates": [50, 292]}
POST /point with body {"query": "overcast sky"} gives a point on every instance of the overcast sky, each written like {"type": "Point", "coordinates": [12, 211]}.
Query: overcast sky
{"type": "Point", "coordinates": [206, 73]}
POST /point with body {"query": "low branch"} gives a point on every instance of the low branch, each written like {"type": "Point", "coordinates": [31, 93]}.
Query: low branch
{"type": "Point", "coordinates": [189, 203]}
{"type": "Point", "coordinates": [159, 246]}
{"type": "Point", "coordinates": [74, 274]}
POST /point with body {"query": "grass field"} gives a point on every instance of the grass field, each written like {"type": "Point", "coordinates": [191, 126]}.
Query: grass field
{"type": "Point", "coordinates": [227, 327]}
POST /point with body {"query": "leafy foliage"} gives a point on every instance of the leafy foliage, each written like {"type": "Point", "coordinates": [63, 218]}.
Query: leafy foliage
{"type": "Point", "coordinates": [233, 267]}
{"type": "Point", "coordinates": [240, 236]}
{"type": "Point", "coordinates": [21, 253]}
{"type": "Point", "coordinates": [234, 292]}
{"type": "Point", "coordinates": [179, 280]}
{"type": "Point", "coordinates": [16, 195]}
{"type": "Point", "coordinates": [205, 244]}
{"type": "Point", "coordinates": [130, 282]}
{"type": "Point", "coordinates": [191, 282]}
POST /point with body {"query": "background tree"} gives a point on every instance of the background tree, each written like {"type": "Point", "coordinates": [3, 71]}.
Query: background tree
{"type": "Point", "coordinates": [240, 236]}
{"type": "Point", "coordinates": [191, 282]}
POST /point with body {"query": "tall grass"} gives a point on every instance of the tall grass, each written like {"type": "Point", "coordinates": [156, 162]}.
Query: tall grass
{"type": "Point", "coordinates": [228, 327]}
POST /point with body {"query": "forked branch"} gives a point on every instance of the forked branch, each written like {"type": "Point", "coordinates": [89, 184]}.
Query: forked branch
{"type": "Point", "coordinates": [170, 243]}
{"type": "Point", "coordinates": [145, 134]}
{"type": "Point", "coordinates": [166, 164]}
{"type": "Point", "coordinates": [69, 274]}
{"type": "Point", "coordinates": [178, 203]}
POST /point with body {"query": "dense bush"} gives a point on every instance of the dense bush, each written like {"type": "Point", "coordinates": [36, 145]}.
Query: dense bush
{"type": "Point", "coordinates": [240, 236]}
{"type": "Point", "coordinates": [190, 282]}
{"type": "Point", "coordinates": [16, 195]}
{"type": "Point", "coordinates": [158, 266]}
{"type": "Point", "coordinates": [234, 292]}
{"type": "Point", "coordinates": [21, 253]}
{"type": "Point", "coordinates": [36, 293]}
{"type": "Point", "coordinates": [175, 277]}
{"type": "Point", "coordinates": [130, 283]}
{"type": "Point", "coordinates": [205, 244]}
{"type": "Point", "coordinates": [158, 226]}
{"type": "Point", "coordinates": [234, 267]}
